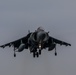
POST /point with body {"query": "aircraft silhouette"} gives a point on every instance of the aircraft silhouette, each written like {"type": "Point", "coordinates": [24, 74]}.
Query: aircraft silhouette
{"type": "Point", "coordinates": [36, 41]}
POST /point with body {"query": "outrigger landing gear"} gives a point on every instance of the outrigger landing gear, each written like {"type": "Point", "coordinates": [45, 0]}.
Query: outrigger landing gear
{"type": "Point", "coordinates": [55, 54]}
{"type": "Point", "coordinates": [55, 51]}
{"type": "Point", "coordinates": [14, 52]}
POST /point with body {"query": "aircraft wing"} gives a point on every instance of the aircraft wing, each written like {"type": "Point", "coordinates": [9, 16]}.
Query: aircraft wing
{"type": "Point", "coordinates": [17, 43]}
{"type": "Point", "coordinates": [59, 41]}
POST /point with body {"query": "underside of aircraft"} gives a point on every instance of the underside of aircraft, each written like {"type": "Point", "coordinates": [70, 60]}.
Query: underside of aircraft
{"type": "Point", "coordinates": [36, 42]}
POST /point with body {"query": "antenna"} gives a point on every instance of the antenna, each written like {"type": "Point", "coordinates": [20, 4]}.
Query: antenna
{"type": "Point", "coordinates": [28, 31]}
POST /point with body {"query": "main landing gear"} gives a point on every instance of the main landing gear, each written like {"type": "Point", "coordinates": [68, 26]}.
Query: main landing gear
{"type": "Point", "coordinates": [39, 52]}
{"type": "Point", "coordinates": [35, 54]}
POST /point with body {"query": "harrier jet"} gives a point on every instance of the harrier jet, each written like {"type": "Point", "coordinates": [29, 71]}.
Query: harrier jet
{"type": "Point", "coordinates": [36, 42]}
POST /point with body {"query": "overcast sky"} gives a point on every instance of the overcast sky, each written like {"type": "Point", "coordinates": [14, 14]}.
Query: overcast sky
{"type": "Point", "coordinates": [56, 16]}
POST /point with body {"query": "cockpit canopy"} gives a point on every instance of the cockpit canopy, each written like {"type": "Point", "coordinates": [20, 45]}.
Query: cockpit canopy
{"type": "Point", "coordinates": [40, 29]}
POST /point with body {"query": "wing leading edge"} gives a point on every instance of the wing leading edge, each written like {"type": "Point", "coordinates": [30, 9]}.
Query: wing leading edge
{"type": "Point", "coordinates": [17, 43]}
{"type": "Point", "coordinates": [59, 41]}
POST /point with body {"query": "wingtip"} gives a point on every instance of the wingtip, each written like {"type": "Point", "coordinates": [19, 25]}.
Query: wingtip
{"type": "Point", "coordinates": [2, 46]}
{"type": "Point", "coordinates": [69, 44]}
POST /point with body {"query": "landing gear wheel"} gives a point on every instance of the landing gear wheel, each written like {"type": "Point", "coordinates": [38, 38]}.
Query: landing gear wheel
{"type": "Point", "coordinates": [37, 54]}
{"type": "Point", "coordinates": [14, 54]}
{"type": "Point", "coordinates": [55, 53]}
{"type": "Point", "coordinates": [34, 54]}
{"type": "Point", "coordinates": [40, 52]}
